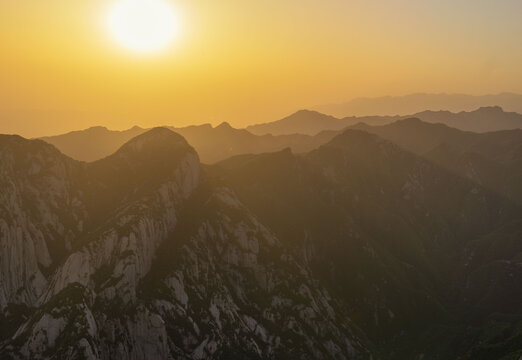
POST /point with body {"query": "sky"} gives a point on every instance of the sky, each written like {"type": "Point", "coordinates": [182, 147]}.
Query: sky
{"type": "Point", "coordinates": [246, 61]}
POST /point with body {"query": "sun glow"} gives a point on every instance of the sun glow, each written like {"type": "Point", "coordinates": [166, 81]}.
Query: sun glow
{"type": "Point", "coordinates": [143, 26]}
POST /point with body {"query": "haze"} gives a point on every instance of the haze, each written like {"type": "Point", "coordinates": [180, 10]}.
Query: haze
{"type": "Point", "coordinates": [247, 62]}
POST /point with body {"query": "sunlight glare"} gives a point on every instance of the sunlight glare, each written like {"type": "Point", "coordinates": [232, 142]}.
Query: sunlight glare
{"type": "Point", "coordinates": [143, 26]}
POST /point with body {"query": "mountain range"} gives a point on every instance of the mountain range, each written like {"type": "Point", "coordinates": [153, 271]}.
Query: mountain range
{"type": "Point", "coordinates": [212, 143]}
{"type": "Point", "coordinates": [302, 132]}
{"type": "Point", "coordinates": [485, 119]}
{"type": "Point", "coordinates": [414, 103]}
{"type": "Point", "coordinates": [399, 241]}
{"type": "Point", "coordinates": [396, 238]}
{"type": "Point", "coordinates": [139, 255]}
{"type": "Point", "coordinates": [385, 208]}
{"type": "Point", "coordinates": [491, 159]}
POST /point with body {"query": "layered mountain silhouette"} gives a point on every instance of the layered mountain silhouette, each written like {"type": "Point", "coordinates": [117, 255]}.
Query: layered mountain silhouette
{"type": "Point", "coordinates": [484, 119]}
{"type": "Point", "coordinates": [372, 245]}
{"type": "Point", "coordinates": [212, 143]}
{"type": "Point", "coordinates": [414, 103]}
{"type": "Point", "coordinates": [302, 132]}
{"type": "Point", "coordinates": [493, 160]}
{"type": "Point", "coordinates": [312, 122]}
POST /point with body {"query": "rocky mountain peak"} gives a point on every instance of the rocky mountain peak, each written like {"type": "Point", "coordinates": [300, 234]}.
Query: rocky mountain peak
{"type": "Point", "coordinates": [159, 138]}
{"type": "Point", "coordinates": [158, 150]}
{"type": "Point", "coordinates": [14, 142]}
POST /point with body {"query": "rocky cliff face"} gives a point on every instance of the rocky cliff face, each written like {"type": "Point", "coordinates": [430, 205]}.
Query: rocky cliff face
{"type": "Point", "coordinates": [138, 256]}
{"type": "Point", "coordinates": [41, 215]}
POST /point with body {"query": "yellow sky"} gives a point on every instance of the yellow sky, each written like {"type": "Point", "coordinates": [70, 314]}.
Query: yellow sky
{"type": "Point", "coordinates": [246, 61]}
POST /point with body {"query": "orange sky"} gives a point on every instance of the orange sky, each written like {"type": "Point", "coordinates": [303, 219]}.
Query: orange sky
{"type": "Point", "coordinates": [246, 61]}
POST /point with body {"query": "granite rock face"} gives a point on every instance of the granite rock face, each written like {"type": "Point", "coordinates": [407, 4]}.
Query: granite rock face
{"type": "Point", "coordinates": [138, 256]}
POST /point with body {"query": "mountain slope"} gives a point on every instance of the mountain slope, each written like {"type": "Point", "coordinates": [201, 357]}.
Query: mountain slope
{"type": "Point", "coordinates": [358, 249]}
{"type": "Point", "coordinates": [223, 141]}
{"type": "Point", "coordinates": [493, 160]}
{"type": "Point", "coordinates": [161, 264]}
{"type": "Point", "coordinates": [37, 185]}
{"type": "Point", "coordinates": [385, 230]}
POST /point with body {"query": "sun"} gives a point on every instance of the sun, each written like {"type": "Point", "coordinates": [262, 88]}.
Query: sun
{"type": "Point", "coordinates": [143, 26]}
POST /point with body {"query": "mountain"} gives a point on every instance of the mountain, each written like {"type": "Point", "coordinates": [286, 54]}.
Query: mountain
{"type": "Point", "coordinates": [302, 132]}
{"type": "Point", "coordinates": [223, 141]}
{"type": "Point", "coordinates": [212, 143]}
{"type": "Point", "coordinates": [302, 122]}
{"type": "Point", "coordinates": [485, 119]}
{"type": "Point", "coordinates": [311, 123]}
{"type": "Point", "coordinates": [93, 143]}
{"type": "Point", "coordinates": [492, 159]}
{"type": "Point", "coordinates": [358, 249]}
{"type": "Point", "coordinates": [139, 256]}
{"type": "Point", "coordinates": [414, 103]}
{"type": "Point", "coordinates": [391, 235]}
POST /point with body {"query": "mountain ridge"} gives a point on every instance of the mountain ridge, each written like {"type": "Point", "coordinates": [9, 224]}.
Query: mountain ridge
{"type": "Point", "coordinates": [220, 142]}
{"type": "Point", "coordinates": [415, 103]}
{"type": "Point", "coordinates": [360, 248]}
{"type": "Point", "coordinates": [98, 301]}
{"type": "Point", "coordinates": [490, 159]}
{"type": "Point", "coordinates": [484, 119]}
{"type": "Point", "coordinates": [346, 200]}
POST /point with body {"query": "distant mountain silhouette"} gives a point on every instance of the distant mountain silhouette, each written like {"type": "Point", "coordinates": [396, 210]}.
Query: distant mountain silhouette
{"type": "Point", "coordinates": [223, 141]}
{"type": "Point", "coordinates": [311, 122]}
{"type": "Point", "coordinates": [212, 143]}
{"type": "Point", "coordinates": [410, 104]}
{"type": "Point", "coordinates": [302, 122]}
{"type": "Point", "coordinates": [493, 159]}
{"type": "Point", "coordinates": [484, 119]}
{"type": "Point", "coordinates": [93, 143]}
